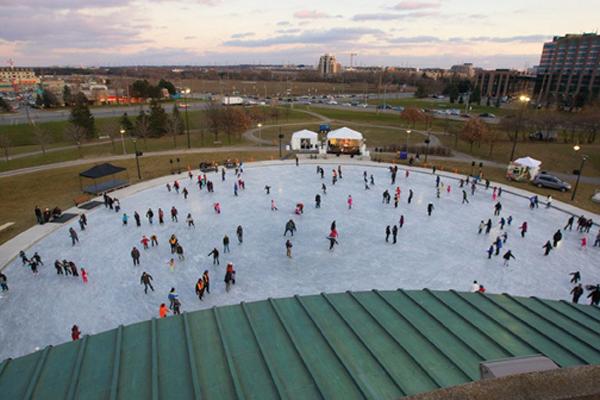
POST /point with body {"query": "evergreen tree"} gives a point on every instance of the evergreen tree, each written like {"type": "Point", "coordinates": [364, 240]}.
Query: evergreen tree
{"type": "Point", "coordinates": [82, 117]}
{"type": "Point", "coordinates": [39, 102]}
{"type": "Point", "coordinates": [157, 119]}
{"type": "Point", "coordinates": [167, 85]}
{"type": "Point", "coordinates": [126, 123]}
{"type": "Point", "coordinates": [67, 95]}
{"type": "Point", "coordinates": [475, 96]}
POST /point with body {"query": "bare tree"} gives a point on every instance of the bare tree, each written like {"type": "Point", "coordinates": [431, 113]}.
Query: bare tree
{"type": "Point", "coordinates": [214, 114]}
{"type": "Point", "coordinates": [492, 137]}
{"type": "Point", "coordinates": [5, 144]}
{"type": "Point", "coordinates": [473, 131]}
{"type": "Point", "coordinates": [172, 129]}
{"type": "Point", "coordinates": [112, 130]}
{"type": "Point", "coordinates": [42, 137]}
{"type": "Point", "coordinates": [76, 134]}
{"type": "Point", "coordinates": [142, 129]}
{"type": "Point", "coordinates": [412, 115]}
{"type": "Point", "coordinates": [590, 121]}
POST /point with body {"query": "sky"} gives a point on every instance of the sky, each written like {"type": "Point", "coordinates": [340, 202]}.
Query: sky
{"type": "Point", "coordinates": [427, 33]}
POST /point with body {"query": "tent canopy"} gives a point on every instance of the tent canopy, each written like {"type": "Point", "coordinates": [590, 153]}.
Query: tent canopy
{"type": "Point", "coordinates": [102, 170]}
{"type": "Point", "coordinates": [305, 134]}
{"type": "Point", "coordinates": [345, 133]}
{"type": "Point", "coordinates": [528, 162]}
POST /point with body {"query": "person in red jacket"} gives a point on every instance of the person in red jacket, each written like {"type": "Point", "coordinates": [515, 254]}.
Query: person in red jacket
{"type": "Point", "coordinates": [84, 275]}
{"type": "Point", "coordinates": [163, 311]}
{"type": "Point", "coordinates": [332, 238]}
{"type": "Point", "coordinates": [75, 333]}
{"type": "Point", "coordinates": [145, 242]}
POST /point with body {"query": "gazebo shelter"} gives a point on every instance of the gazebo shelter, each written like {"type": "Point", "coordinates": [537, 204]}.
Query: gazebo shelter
{"type": "Point", "coordinates": [305, 140]}
{"type": "Point", "coordinates": [345, 141]}
{"type": "Point", "coordinates": [104, 177]}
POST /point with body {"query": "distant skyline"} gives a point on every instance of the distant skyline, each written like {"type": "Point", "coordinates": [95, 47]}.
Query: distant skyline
{"type": "Point", "coordinates": [428, 33]}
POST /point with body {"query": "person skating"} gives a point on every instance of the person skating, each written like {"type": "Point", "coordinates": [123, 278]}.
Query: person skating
{"type": "Point", "coordinates": [547, 247]}
{"type": "Point", "coordinates": [556, 238]}
{"type": "Point", "coordinates": [66, 267]}
{"type": "Point", "coordinates": [323, 188]}
{"type": "Point", "coordinates": [154, 240]}
{"type": "Point", "coordinates": [333, 235]}
{"type": "Point", "coordinates": [217, 207]}
{"type": "Point", "coordinates": [569, 224]}
{"type": "Point", "coordinates": [288, 248]}
{"type": "Point", "coordinates": [75, 333]}
{"type": "Point", "coordinates": [473, 187]}
{"type": "Point", "coordinates": [502, 223]}
{"type": "Point", "coordinates": [24, 258]}
{"type": "Point", "coordinates": [215, 255]}
{"type": "Point", "coordinates": [385, 196]}
{"type": "Point", "coordinates": [174, 214]}
{"type": "Point", "coordinates": [138, 221]}
{"type": "Point", "coordinates": [388, 232]}
{"type": "Point", "coordinates": [290, 226]}
{"type": "Point", "coordinates": [161, 216]}
{"type": "Point", "coordinates": [597, 241]}
{"type": "Point", "coordinates": [171, 264]}
{"type": "Point", "coordinates": [150, 216]}
{"type": "Point", "coordinates": [497, 208]}
{"type": "Point", "coordinates": [577, 291]}
{"type": "Point", "coordinates": [576, 276]}
{"type": "Point", "coordinates": [185, 193]}
{"type": "Point", "coordinates": [163, 311]}
{"type": "Point", "coordinates": [410, 195]}
{"type": "Point", "coordinates": [401, 222]}
{"type": "Point", "coordinates": [226, 244]}
{"type": "Point", "coordinates": [173, 243]}
{"type": "Point", "coordinates": [3, 282]}
{"type": "Point", "coordinates": [179, 251]}
{"type": "Point", "coordinates": [498, 244]}
{"type": "Point", "coordinates": [549, 201]}
{"type": "Point", "coordinates": [349, 201]}
{"type": "Point", "coordinates": [59, 267]}
{"type": "Point", "coordinates": [222, 174]}
{"type": "Point", "coordinates": [273, 206]}
{"type": "Point", "coordinates": [125, 218]}
{"type": "Point", "coordinates": [36, 257]}
{"type": "Point", "coordinates": [481, 226]}
{"type": "Point", "coordinates": [73, 269]}
{"type": "Point", "coordinates": [145, 242]}
{"type": "Point", "coordinates": [240, 234]}
{"type": "Point", "coordinates": [172, 297]}
{"type": "Point", "coordinates": [594, 296]}
{"type": "Point", "coordinates": [488, 226]}
{"type": "Point", "coordinates": [73, 235]}
{"type": "Point", "coordinates": [33, 265]}
{"type": "Point", "coordinates": [318, 201]}
{"type": "Point", "coordinates": [229, 277]}
{"type": "Point", "coordinates": [465, 199]}
{"type": "Point", "coordinates": [82, 222]}
{"type": "Point", "coordinates": [135, 255]}
{"type": "Point", "coordinates": [190, 221]}
{"type": "Point", "coordinates": [475, 287]}
{"type": "Point", "coordinates": [507, 256]}
{"type": "Point", "coordinates": [394, 234]}
{"type": "Point", "coordinates": [268, 189]}
{"type": "Point", "coordinates": [437, 181]}
{"type": "Point", "coordinates": [84, 275]}
{"type": "Point", "coordinates": [583, 243]}
{"type": "Point", "coordinates": [481, 289]}
{"type": "Point", "coordinates": [206, 281]}
{"type": "Point", "coordinates": [429, 209]}
{"type": "Point", "coordinates": [145, 280]}
{"type": "Point", "coordinates": [200, 288]}
{"type": "Point", "coordinates": [504, 237]}
{"type": "Point", "coordinates": [523, 228]}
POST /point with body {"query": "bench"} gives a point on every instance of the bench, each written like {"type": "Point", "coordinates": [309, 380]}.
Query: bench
{"type": "Point", "coordinates": [81, 199]}
{"type": "Point", "coordinates": [6, 226]}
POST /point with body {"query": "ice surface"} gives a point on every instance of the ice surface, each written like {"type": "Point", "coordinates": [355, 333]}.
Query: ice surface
{"type": "Point", "coordinates": [443, 251]}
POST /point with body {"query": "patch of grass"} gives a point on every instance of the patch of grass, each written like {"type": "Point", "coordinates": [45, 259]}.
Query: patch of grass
{"type": "Point", "coordinates": [58, 187]}
{"type": "Point", "coordinates": [438, 104]}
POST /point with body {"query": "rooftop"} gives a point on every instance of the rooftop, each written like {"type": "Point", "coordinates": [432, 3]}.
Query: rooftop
{"type": "Point", "coordinates": [376, 345]}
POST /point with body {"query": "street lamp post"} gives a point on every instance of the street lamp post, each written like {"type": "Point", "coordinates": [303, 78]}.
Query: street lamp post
{"type": "Point", "coordinates": [427, 141]}
{"type": "Point", "coordinates": [187, 118]}
{"type": "Point", "coordinates": [122, 131]}
{"type": "Point", "coordinates": [408, 131]}
{"type": "Point", "coordinates": [524, 100]}
{"type": "Point", "coordinates": [280, 138]}
{"type": "Point", "coordinates": [583, 160]}
{"type": "Point", "coordinates": [259, 130]}
{"type": "Point", "coordinates": [137, 160]}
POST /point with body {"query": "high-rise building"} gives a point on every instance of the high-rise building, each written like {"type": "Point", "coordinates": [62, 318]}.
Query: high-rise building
{"type": "Point", "coordinates": [569, 67]}
{"type": "Point", "coordinates": [328, 65]}
{"type": "Point", "coordinates": [500, 83]}
{"type": "Point", "coordinates": [466, 69]}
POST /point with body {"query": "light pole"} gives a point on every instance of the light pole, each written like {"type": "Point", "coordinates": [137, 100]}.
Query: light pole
{"type": "Point", "coordinates": [187, 118]}
{"type": "Point", "coordinates": [408, 131]}
{"type": "Point", "coordinates": [524, 100]}
{"type": "Point", "coordinates": [280, 138]}
{"type": "Point", "coordinates": [137, 160]}
{"type": "Point", "coordinates": [122, 131]}
{"type": "Point", "coordinates": [583, 160]}
{"type": "Point", "coordinates": [427, 141]}
{"type": "Point", "coordinates": [259, 130]}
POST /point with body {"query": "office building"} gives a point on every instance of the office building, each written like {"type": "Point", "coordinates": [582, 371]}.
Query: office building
{"type": "Point", "coordinates": [328, 65]}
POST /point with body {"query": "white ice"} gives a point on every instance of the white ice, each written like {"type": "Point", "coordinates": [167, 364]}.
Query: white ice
{"type": "Point", "coordinates": [443, 251]}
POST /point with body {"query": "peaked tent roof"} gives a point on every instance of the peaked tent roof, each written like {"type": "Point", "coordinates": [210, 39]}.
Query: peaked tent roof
{"type": "Point", "coordinates": [100, 171]}
{"type": "Point", "coordinates": [377, 345]}
{"type": "Point", "coordinates": [528, 162]}
{"type": "Point", "coordinates": [345, 133]}
{"type": "Point", "coordinates": [305, 133]}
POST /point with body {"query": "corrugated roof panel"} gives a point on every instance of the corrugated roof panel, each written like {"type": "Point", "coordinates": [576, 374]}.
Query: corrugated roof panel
{"type": "Point", "coordinates": [374, 345]}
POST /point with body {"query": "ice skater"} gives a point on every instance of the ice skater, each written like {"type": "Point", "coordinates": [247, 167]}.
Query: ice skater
{"type": "Point", "coordinates": [318, 201]}
{"type": "Point", "coordinates": [150, 215]}
{"type": "Point", "coordinates": [190, 221]}
{"type": "Point", "coordinates": [135, 255]}
{"type": "Point", "coordinates": [576, 276]}
{"type": "Point", "coordinates": [388, 232]}
{"type": "Point", "coordinates": [594, 296]}
{"type": "Point", "coordinates": [3, 282]}
{"type": "Point", "coordinates": [507, 256]}
{"type": "Point", "coordinates": [488, 226]}
{"type": "Point", "coordinates": [333, 235]}
{"type": "Point", "coordinates": [226, 244]}
{"type": "Point", "coordinates": [569, 224]}
{"type": "Point", "coordinates": [349, 201]}
{"type": "Point", "coordinates": [200, 288]}
{"type": "Point", "coordinates": [547, 247]}
{"type": "Point", "coordinates": [273, 206]}
{"type": "Point", "coordinates": [73, 235]}
{"type": "Point", "coordinates": [268, 189]}
{"type": "Point", "coordinates": [490, 251]}
{"type": "Point", "coordinates": [240, 234]}
{"type": "Point", "coordinates": [323, 188]}
{"type": "Point", "coordinates": [523, 228]}
{"type": "Point", "coordinates": [497, 208]}
{"type": "Point", "coordinates": [229, 277]}
{"type": "Point", "coordinates": [172, 296]}
{"type": "Point", "coordinates": [137, 218]}
{"type": "Point", "coordinates": [206, 280]}
{"type": "Point", "coordinates": [464, 198]}
{"type": "Point", "coordinates": [145, 280]}
{"type": "Point", "coordinates": [215, 255]}
{"type": "Point", "coordinates": [577, 291]}
{"type": "Point", "coordinates": [145, 242]}
{"type": "Point", "coordinates": [394, 234]}
{"type": "Point", "coordinates": [290, 226]}
{"type": "Point", "coordinates": [401, 222]}
{"type": "Point", "coordinates": [429, 209]}
{"type": "Point", "coordinates": [217, 208]}
{"type": "Point", "coordinates": [410, 195]}
{"type": "Point", "coordinates": [557, 237]}
{"type": "Point", "coordinates": [84, 276]}
{"type": "Point", "coordinates": [288, 248]}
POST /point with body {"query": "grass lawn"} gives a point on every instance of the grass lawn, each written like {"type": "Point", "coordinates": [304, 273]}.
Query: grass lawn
{"type": "Point", "coordinates": [582, 200]}
{"type": "Point", "coordinates": [439, 104]}
{"type": "Point", "coordinates": [58, 187]}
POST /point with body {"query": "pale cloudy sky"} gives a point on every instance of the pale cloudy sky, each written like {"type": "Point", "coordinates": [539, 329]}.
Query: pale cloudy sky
{"type": "Point", "coordinates": [489, 33]}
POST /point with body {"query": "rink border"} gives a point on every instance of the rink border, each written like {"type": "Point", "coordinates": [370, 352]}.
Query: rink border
{"type": "Point", "coordinates": [25, 240]}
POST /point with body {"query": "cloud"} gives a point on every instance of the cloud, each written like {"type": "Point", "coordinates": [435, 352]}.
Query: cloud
{"type": "Point", "coordinates": [393, 16]}
{"type": "Point", "coordinates": [334, 35]}
{"type": "Point", "coordinates": [63, 4]}
{"type": "Point", "coordinates": [509, 39]}
{"type": "Point", "coordinates": [415, 39]}
{"type": "Point", "coordinates": [310, 14]}
{"type": "Point", "coordinates": [415, 5]}
{"type": "Point", "coordinates": [287, 31]}
{"type": "Point", "coordinates": [190, 37]}
{"type": "Point", "coordinates": [242, 35]}
{"type": "Point", "coordinates": [458, 39]}
{"type": "Point", "coordinates": [283, 23]}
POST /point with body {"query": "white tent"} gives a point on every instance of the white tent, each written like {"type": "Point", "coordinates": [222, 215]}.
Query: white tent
{"type": "Point", "coordinates": [528, 162]}
{"type": "Point", "coordinates": [305, 140]}
{"type": "Point", "coordinates": [345, 133]}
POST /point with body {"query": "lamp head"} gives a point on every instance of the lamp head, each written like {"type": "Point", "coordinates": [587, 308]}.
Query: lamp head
{"type": "Point", "coordinates": [577, 147]}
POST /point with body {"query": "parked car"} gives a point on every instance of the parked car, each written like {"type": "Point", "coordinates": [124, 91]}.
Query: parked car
{"type": "Point", "coordinates": [398, 108]}
{"type": "Point", "coordinates": [487, 115]}
{"type": "Point", "coordinates": [384, 107]}
{"type": "Point", "coordinates": [550, 181]}
{"type": "Point", "coordinates": [208, 167]}
{"type": "Point", "coordinates": [543, 136]}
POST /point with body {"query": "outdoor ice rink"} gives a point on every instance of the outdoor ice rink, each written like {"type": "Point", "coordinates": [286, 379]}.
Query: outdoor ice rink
{"type": "Point", "coordinates": [443, 251]}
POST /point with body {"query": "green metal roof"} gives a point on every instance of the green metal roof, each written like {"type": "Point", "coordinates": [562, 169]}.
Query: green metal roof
{"type": "Point", "coordinates": [375, 345]}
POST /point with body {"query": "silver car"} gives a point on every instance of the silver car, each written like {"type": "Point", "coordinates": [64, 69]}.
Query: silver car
{"type": "Point", "coordinates": [550, 181]}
